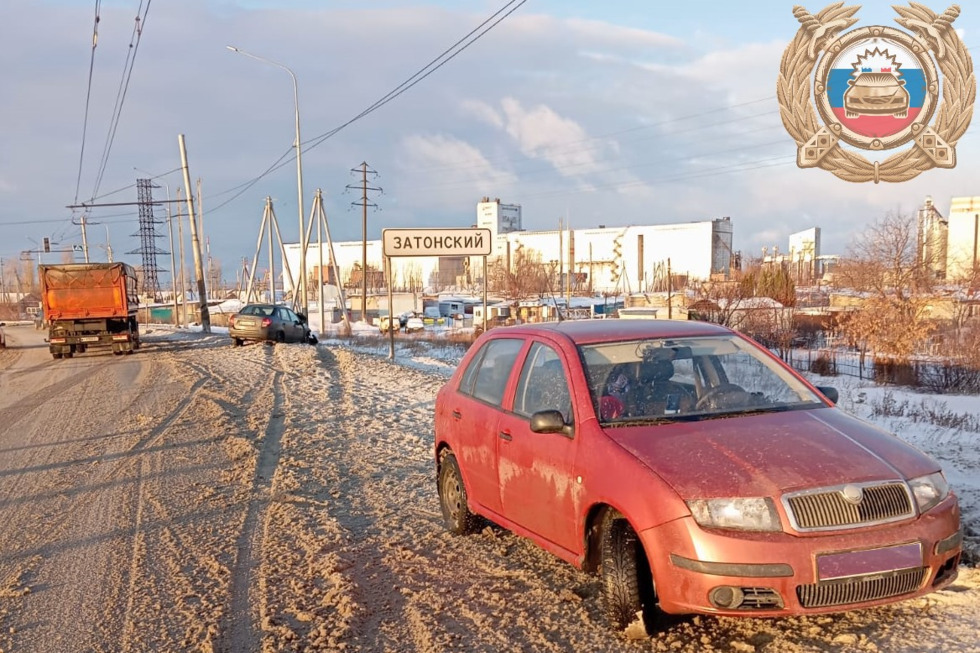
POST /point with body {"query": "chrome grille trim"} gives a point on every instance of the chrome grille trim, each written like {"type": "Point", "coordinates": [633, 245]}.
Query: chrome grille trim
{"type": "Point", "coordinates": [861, 588]}
{"type": "Point", "coordinates": [826, 508]}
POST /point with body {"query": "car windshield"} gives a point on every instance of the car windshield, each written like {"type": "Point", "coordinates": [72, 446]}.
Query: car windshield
{"type": "Point", "coordinates": [680, 379]}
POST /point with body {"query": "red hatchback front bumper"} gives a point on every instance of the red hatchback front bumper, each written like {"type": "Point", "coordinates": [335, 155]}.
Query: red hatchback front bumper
{"type": "Point", "coordinates": [777, 574]}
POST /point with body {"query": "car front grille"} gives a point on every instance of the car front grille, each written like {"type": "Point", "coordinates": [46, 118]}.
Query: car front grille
{"type": "Point", "coordinates": [861, 588]}
{"type": "Point", "coordinates": [828, 508]}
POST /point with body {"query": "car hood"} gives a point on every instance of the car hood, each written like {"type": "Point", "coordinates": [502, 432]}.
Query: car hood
{"type": "Point", "coordinates": [768, 454]}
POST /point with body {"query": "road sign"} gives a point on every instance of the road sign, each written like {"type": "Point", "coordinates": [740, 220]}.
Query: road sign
{"type": "Point", "coordinates": [436, 242]}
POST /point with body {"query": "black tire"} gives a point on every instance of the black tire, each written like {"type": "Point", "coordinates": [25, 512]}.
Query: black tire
{"type": "Point", "coordinates": [56, 355]}
{"type": "Point", "coordinates": [452, 497]}
{"type": "Point", "coordinates": [627, 585]}
{"type": "Point", "coordinates": [311, 338]}
{"type": "Point", "coordinates": [236, 342]}
{"type": "Point", "coordinates": [280, 336]}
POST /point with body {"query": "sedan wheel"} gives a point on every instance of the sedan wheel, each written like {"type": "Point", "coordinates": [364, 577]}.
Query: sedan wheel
{"type": "Point", "coordinates": [280, 337]}
{"type": "Point", "coordinates": [627, 585]}
{"type": "Point", "coordinates": [452, 497]}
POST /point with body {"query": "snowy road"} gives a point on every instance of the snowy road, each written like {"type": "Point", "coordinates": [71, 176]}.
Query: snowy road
{"type": "Point", "coordinates": [196, 497]}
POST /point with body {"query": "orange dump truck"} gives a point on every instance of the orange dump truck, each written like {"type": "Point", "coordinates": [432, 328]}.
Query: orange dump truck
{"type": "Point", "coordinates": [90, 305]}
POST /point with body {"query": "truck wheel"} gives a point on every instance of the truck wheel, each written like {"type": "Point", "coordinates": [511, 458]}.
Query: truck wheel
{"type": "Point", "coordinates": [56, 355]}
{"type": "Point", "coordinates": [69, 354]}
{"type": "Point", "coordinates": [626, 582]}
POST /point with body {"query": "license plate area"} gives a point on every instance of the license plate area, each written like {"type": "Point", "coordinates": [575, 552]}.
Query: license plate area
{"type": "Point", "coordinates": [831, 566]}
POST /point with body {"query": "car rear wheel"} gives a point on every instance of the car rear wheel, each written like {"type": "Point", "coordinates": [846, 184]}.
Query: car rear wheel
{"type": "Point", "coordinates": [626, 581]}
{"type": "Point", "coordinates": [280, 336]}
{"type": "Point", "coordinates": [452, 497]}
{"type": "Point", "coordinates": [236, 342]}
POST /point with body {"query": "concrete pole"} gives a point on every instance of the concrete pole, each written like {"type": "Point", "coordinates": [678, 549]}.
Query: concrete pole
{"type": "Point", "coordinates": [108, 245]}
{"type": "Point", "coordinates": [183, 264]}
{"type": "Point", "coordinates": [84, 239]}
{"type": "Point", "coordinates": [319, 253]}
{"type": "Point", "coordinates": [195, 242]}
{"type": "Point", "coordinates": [364, 283]}
{"type": "Point", "coordinates": [173, 266]}
{"type": "Point", "coordinates": [322, 216]}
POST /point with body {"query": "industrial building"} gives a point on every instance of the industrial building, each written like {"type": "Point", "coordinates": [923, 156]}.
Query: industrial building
{"type": "Point", "coordinates": [600, 260]}
{"type": "Point", "coordinates": [950, 246]}
{"type": "Point", "coordinates": [962, 238]}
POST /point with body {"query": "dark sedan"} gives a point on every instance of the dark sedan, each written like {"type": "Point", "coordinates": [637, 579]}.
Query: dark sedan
{"type": "Point", "coordinates": [269, 322]}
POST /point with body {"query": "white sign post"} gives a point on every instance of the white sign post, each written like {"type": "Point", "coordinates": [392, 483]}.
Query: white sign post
{"type": "Point", "coordinates": [434, 242]}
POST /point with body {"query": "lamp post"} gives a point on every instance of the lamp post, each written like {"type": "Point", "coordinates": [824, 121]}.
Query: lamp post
{"type": "Point", "coordinates": [299, 176]}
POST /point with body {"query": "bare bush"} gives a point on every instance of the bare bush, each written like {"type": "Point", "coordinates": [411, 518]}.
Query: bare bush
{"type": "Point", "coordinates": [927, 411]}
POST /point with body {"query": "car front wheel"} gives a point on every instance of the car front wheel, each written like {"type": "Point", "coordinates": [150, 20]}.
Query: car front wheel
{"type": "Point", "coordinates": [627, 584]}
{"type": "Point", "coordinates": [452, 497]}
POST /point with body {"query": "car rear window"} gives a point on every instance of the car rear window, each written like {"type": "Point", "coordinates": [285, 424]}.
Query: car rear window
{"type": "Point", "coordinates": [486, 376]}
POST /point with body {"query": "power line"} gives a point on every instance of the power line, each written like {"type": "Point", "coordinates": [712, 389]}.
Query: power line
{"type": "Point", "coordinates": [417, 77]}
{"type": "Point", "coordinates": [123, 88]}
{"type": "Point", "coordinates": [88, 97]}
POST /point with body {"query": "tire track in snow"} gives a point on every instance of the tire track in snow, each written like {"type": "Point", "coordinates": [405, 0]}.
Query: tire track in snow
{"type": "Point", "coordinates": [238, 631]}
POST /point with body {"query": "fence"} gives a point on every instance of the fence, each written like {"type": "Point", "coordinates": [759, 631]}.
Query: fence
{"type": "Point", "coordinates": [940, 375]}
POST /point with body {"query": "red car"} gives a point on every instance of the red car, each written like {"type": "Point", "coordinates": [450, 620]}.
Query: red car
{"type": "Point", "coordinates": [691, 469]}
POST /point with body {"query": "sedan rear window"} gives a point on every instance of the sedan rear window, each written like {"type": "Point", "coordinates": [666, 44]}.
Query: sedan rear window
{"type": "Point", "coordinates": [486, 376]}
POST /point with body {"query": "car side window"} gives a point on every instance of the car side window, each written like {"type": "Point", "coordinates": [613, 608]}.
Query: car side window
{"type": "Point", "coordinates": [488, 372]}
{"type": "Point", "coordinates": [543, 384]}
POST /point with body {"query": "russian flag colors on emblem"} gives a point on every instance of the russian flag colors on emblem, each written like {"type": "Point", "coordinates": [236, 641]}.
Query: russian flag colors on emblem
{"type": "Point", "coordinates": [876, 88]}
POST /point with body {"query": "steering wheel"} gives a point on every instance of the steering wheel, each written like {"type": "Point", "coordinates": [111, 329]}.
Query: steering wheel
{"type": "Point", "coordinates": [715, 396]}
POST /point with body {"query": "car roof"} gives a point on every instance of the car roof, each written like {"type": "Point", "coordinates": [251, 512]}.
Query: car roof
{"type": "Point", "coordinates": [608, 330]}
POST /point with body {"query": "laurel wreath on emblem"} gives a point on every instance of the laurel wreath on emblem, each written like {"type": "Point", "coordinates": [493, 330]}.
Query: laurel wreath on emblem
{"type": "Point", "coordinates": [936, 34]}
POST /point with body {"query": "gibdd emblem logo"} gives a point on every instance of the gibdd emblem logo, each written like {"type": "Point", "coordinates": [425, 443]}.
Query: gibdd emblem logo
{"type": "Point", "coordinates": [876, 88]}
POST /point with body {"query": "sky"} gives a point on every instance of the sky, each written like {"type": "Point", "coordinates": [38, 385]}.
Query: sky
{"type": "Point", "coordinates": [616, 113]}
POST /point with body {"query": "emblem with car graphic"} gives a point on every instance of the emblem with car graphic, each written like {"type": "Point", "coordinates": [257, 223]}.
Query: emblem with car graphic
{"type": "Point", "coordinates": [876, 88]}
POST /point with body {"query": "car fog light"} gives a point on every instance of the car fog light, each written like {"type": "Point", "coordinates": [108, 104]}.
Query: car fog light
{"type": "Point", "coordinates": [726, 597]}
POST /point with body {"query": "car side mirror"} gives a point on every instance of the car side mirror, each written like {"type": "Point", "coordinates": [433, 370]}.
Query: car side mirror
{"type": "Point", "coordinates": [550, 421]}
{"type": "Point", "coordinates": [830, 393]}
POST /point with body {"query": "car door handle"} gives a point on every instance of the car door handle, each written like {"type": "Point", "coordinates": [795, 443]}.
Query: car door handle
{"type": "Point", "coordinates": [457, 414]}
{"type": "Point", "coordinates": [505, 435]}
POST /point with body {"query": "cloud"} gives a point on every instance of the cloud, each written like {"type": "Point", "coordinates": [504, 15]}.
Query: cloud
{"type": "Point", "coordinates": [541, 132]}
{"type": "Point", "coordinates": [441, 165]}
{"type": "Point", "coordinates": [482, 112]}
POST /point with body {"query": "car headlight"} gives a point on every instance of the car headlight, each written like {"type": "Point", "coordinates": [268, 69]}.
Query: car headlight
{"type": "Point", "coordinates": [929, 490]}
{"type": "Point", "coordinates": [742, 513]}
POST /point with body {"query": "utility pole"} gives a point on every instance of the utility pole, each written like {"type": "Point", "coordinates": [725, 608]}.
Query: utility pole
{"type": "Point", "coordinates": [85, 240]}
{"type": "Point", "coordinates": [183, 264]}
{"type": "Point", "coordinates": [364, 204]}
{"type": "Point", "coordinates": [195, 241]}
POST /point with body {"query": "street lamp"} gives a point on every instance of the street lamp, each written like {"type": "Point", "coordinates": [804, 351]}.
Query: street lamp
{"type": "Point", "coordinates": [299, 175]}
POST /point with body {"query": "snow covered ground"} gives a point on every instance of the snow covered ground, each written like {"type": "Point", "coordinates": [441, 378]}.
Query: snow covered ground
{"type": "Point", "coordinates": [199, 497]}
